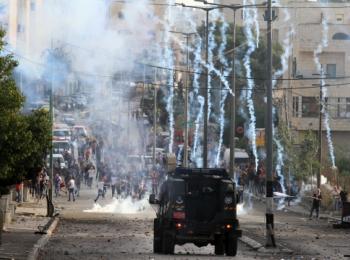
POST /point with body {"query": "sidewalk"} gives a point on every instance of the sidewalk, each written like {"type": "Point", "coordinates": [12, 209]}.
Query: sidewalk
{"type": "Point", "coordinates": [300, 209]}
{"type": "Point", "coordinates": [19, 238]}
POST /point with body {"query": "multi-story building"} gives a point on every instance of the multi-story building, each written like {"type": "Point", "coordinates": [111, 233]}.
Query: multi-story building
{"type": "Point", "coordinates": [299, 94]}
{"type": "Point", "coordinates": [317, 25]}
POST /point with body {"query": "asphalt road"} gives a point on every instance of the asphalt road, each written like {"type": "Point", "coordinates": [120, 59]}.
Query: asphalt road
{"type": "Point", "coordinates": [100, 234]}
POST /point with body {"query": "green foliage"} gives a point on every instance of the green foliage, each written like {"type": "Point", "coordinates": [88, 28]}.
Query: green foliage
{"type": "Point", "coordinates": [24, 139]}
{"type": "Point", "coordinates": [300, 159]}
{"type": "Point", "coordinates": [343, 165]}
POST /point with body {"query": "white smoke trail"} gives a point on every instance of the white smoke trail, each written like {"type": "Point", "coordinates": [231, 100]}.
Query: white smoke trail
{"type": "Point", "coordinates": [210, 67]}
{"type": "Point", "coordinates": [323, 44]}
{"type": "Point", "coordinates": [196, 100]}
{"type": "Point", "coordinates": [169, 63]}
{"type": "Point", "coordinates": [223, 30]}
{"type": "Point", "coordinates": [255, 14]}
{"type": "Point", "coordinates": [196, 154]}
{"type": "Point", "coordinates": [249, 15]}
{"type": "Point", "coordinates": [211, 46]}
{"type": "Point", "coordinates": [287, 47]}
{"type": "Point", "coordinates": [196, 150]}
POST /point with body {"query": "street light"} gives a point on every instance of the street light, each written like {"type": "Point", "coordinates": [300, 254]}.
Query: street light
{"type": "Point", "coordinates": [187, 36]}
{"type": "Point", "coordinates": [205, 126]}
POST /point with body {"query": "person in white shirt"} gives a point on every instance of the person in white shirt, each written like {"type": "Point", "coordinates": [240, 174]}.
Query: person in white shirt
{"type": "Point", "coordinates": [71, 188]}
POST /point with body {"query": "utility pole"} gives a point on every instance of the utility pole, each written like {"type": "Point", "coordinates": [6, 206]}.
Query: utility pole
{"type": "Point", "coordinates": [155, 118]}
{"type": "Point", "coordinates": [270, 236]}
{"type": "Point", "coordinates": [233, 101]}
{"type": "Point", "coordinates": [206, 96]}
{"type": "Point", "coordinates": [186, 104]}
{"type": "Point", "coordinates": [320, 114]}
{"type": "Point", "coordinates": [187, 36]}
{"type": "Point", "coordinates": [320, 138]}
{"type": "Point", "coordinates": [50, 207]}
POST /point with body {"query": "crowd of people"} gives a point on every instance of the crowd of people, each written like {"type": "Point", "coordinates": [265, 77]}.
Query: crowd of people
{"type": "Point", "coordinates": [40, 184]}
{"type": "Point", "coordinates": [253, 179]}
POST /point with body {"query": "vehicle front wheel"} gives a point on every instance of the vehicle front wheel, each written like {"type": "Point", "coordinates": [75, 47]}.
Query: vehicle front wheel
{"type": "Point", "coordinates": [231, 245]}
{"type": "Point", "coordinates": [157, 237]}
{"type": "Point", "coordinates": [219, 245]}
{"type": "Point", "coordinates": [168, 242]}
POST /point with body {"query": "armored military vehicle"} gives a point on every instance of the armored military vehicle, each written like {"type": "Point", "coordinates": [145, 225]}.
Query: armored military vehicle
{"type": "Point", "coordinates": [197, 206]}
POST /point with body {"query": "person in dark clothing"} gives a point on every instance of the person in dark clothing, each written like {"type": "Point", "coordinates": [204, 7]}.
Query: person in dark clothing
{"type": "Point", "coordinates": [316, 201]}
{"type": "Point", "coordinates": [343, 196]}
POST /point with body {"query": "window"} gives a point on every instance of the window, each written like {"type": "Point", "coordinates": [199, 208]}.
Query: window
{"type": "Point", "coordinates": [341, 36]}
{"type": "Point", "coordinates": [121, 15]}
{"type": "Point", "coordinates": [347, 107]}
{"type": "Point", "coordinates": [310, 107]}
{"type": "Point", "coordinates": [340, 107]}
{"type": "Point", "coordinates": [331, 70]}
{"type": "Point", "coordinates": [294, 67]}
{"type": "Point", "coordinates": [295, 106]}
{"type": "Point", "coordinates": [339, 18]}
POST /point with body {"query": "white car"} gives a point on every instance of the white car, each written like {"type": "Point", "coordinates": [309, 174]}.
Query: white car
{"type": "Point", "coordinates": [61, 146]}
{"type": "Point", "coordinates": [79, 131]}
{"type": "Point", "coordinates": [61, 134]}
{"type": "Point", "coordinates": [57, 159]}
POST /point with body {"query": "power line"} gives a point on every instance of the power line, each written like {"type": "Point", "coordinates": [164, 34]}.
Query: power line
{"type": "Point", "coordinates": [259, 7]}
{"type": "Point", "coordinates": [192, 72]}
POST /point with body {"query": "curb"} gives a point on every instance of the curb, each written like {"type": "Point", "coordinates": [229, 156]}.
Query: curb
{"type": "Point", "coordinates": [33, 255]}
{"type": "Point", "coordinates": [260, 248]}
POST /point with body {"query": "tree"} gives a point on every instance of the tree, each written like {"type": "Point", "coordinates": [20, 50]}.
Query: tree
{"type": "Point", "coordinates": [24, 139]}
{"type": "Point", "coordinates": [301, 160]}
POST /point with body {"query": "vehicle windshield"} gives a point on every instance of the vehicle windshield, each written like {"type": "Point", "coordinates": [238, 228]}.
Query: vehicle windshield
{"type": "Point", "coordinates": [60, 133]}
{"type": "Point", "coordinates": [200, 188]}
{"type": "Point", "coordinates": [64, 146]}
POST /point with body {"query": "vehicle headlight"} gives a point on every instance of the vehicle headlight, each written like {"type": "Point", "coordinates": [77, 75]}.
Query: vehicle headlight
{"type": "Point", "coordinates": [228, 200]}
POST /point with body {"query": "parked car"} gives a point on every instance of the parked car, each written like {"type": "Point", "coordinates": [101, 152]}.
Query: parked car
{"type": "Point", "coordinates": [69, 119]}
{"type": "Point", "coordinates": [79, 131]}
{"type": "Point", "coordinates": [58, 161]}
{"type": "Point", "coordinates": [62, 134]}
{"type": "Point", "coordinates": [61, 146]}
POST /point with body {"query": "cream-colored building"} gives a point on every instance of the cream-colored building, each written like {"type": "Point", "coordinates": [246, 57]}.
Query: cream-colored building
{"type": "Point", "coordinates": [298, 97]}
{"type": "Point", "coordinates": [302, 95]}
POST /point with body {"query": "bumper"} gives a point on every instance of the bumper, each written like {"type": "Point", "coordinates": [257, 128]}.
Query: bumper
{"type": "Point", "coordinates": [206, 232]}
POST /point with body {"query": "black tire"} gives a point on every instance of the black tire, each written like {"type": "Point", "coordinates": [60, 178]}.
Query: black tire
{"type": "Point", "coordinates": [219, 245]}
{"type": "Point", "coordinates": [168, 242]}
{"type": "Point", "coordinates": [157, 237]}
{"type": "Point", "coordinates": [231, 245]}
